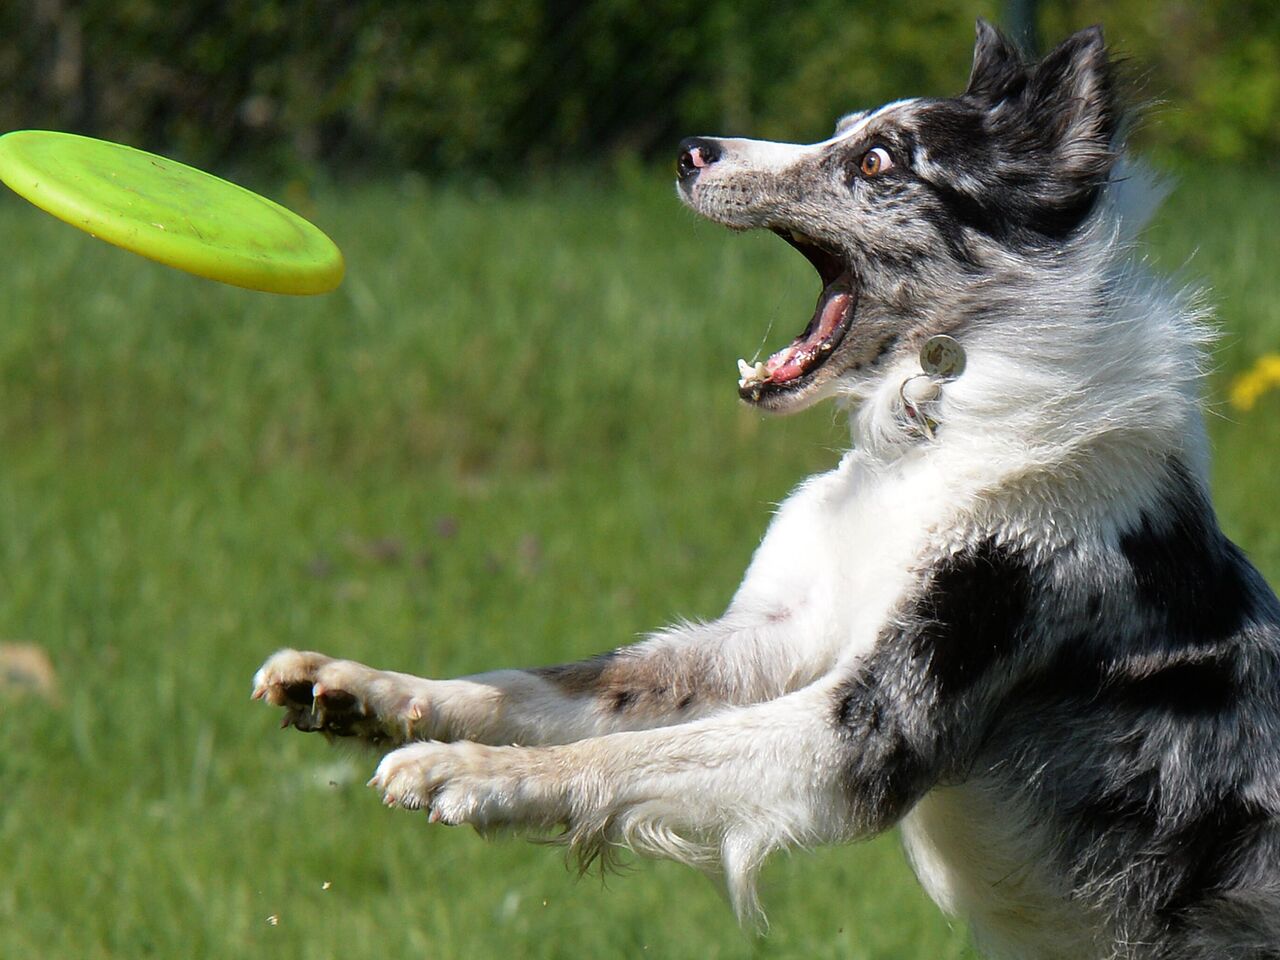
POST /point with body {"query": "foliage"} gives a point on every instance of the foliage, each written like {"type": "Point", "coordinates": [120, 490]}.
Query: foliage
{"type": "Point", "coordinates": [1210, 70]}
{"type": "Point", "coordinates": [510, 85]}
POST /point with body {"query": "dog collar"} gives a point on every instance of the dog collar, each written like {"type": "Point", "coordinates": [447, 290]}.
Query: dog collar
{"type": "Point", "coordinates": [942, 359]}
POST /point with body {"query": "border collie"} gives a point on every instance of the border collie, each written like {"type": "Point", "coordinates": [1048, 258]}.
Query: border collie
{"type": "Point", "coordinates": [1007, 621]}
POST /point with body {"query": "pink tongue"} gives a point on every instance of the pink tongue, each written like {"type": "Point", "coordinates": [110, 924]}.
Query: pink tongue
{"type": "Point", "coordinates": [792, 361]}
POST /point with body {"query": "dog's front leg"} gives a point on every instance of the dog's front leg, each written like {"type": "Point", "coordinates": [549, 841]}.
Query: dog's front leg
{"type": "Point", "coordinates": [675, 676]}
{"type": "Point", "coordinates": [722, 791]}
{"type": "Point", "coordinates": [785, 628]}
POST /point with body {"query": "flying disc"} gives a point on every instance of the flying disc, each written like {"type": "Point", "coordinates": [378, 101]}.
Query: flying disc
{"type": "Point", "coordinates": [170, 212]}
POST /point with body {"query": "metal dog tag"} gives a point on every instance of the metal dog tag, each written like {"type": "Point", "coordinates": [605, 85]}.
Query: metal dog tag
{"type": "Point", "coordinates": [942, 357]}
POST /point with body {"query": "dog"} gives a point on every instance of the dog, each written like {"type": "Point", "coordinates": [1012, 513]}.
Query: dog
{"type": "Point", "coordinates": [1007, 621]}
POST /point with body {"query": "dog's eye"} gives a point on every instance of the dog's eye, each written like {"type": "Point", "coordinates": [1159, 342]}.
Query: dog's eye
{"type": "Point", "coordinates": [875, 161]}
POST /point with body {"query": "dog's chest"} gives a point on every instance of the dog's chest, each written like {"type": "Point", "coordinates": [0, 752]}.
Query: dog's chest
{"type": "Point", "coordinates": [847, 547]}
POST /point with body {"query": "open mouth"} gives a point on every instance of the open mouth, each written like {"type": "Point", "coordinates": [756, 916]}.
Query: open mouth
{"type": "Point", "coordinates": [796, 364]}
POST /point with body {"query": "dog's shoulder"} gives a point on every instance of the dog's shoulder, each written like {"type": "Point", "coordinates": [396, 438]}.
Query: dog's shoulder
{"type": "Point", "coordinates": [1163, 611]}
{"type": "Point", "coordinates": [1155, 584]}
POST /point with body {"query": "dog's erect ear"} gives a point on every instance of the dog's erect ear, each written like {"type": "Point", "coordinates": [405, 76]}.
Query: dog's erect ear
{"type": "Point", "coordinates": [1059, 134]}
{"type": "Point", "coordinates": [998, 70]}
{"type": "Point", "coordinates": [1071, 96]}
{"type": "Point", "coordinates": [1049, 132]}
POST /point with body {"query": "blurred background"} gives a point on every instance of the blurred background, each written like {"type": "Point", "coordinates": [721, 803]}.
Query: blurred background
{"type": "Point", "coordinates": [510, 87]}
{"type": "Point", "coordinates": [512, 436]}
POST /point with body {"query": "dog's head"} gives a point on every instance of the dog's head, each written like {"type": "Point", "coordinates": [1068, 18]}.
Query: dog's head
{"type": "Point", "coordinates": [907, 210]}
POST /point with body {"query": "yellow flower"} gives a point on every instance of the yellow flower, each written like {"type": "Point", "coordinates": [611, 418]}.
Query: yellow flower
{"type": "Point", "coordinates": [1253, 383]}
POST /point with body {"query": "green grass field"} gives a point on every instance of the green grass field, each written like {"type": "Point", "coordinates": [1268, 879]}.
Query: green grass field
{"type": "Point", "coordinates": [511, 438]}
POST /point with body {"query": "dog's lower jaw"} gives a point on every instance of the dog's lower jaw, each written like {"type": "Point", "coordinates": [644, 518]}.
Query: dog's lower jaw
{"type": "Point", "coordinates": [790, 401]}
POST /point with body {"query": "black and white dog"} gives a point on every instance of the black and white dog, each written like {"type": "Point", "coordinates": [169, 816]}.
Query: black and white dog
{"type": "Point", "coordinates": [1007, 621]}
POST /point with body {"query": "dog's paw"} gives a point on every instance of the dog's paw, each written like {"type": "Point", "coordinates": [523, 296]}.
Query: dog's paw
{"type": "Point", "coordinates": [469, 783]}
{"type": "Point", "coordinates": [287, 679]}
{"type": "Point", "coordinates": [339, 697]}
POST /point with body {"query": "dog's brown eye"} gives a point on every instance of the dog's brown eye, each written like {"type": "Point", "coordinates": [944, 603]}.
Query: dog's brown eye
{"type": "Point", "coordinates": [875, 161]}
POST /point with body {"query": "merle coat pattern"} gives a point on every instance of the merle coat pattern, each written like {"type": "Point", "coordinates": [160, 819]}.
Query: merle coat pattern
{"type": "Point", "coordinates": [1007, 621]}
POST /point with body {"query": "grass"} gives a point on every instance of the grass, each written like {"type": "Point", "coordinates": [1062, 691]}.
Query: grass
{"type": "Point", "coordinates": [511, 438]}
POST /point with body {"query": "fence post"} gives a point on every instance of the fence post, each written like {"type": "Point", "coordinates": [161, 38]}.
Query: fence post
{"type": "Point", "coordinates": [1020, 17]}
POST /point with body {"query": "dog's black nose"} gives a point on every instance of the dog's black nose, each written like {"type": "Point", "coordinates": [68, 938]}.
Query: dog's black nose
{"type": "Point", "coordinates": [695, 153]}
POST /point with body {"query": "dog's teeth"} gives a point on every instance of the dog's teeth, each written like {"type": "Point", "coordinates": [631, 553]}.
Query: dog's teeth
{"type": "Point", "coordinates": [751, 374]}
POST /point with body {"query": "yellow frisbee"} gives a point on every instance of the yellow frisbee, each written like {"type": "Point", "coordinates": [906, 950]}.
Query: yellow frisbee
{"type": "Point", "coordinates": [170, 212]}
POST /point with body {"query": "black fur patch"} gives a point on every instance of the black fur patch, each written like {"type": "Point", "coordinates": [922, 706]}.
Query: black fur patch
{"type": "Point", "coordinates": [582, 677]}
{"type": "Point", "coordinates": [858, 706]}
{"type": "Point", "coordinates": [1015, 200]}
{"type": "Point", "coordinates": [885, 345]}
{"type": "Point", "coordinates": [1130, 805]}
{"type": "Point", "coordinates": [1185, 681]}
{"type": "Point", "coordinates": [956, 209]}
{"type": "Point", "coordinates": [1184, 569]}
{"type": "Point", "coordinates": [1208, 849]}
{"type": "Point", "coordinates": [1190, 688]}
{"type": "Point", "coordinates": [972, 615]}
{"type": "Point", "coordinates": [886, 772]}
{"type": "Point", "coordinates": [900, 707]}
{"type": "Point", "coordinates": [621, 700]}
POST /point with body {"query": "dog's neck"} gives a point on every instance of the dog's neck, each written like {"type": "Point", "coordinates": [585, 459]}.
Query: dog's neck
{"type": "Point", "coordinates": [1096, 370]}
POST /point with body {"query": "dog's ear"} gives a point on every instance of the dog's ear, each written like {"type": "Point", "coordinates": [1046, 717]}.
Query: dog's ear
{"type": "Point", "coordinates": [1071, 98]}
{"type": "Point", "coordinates": [998, 70]}
{"type": "Point", "coordinates": [1042, 138]}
